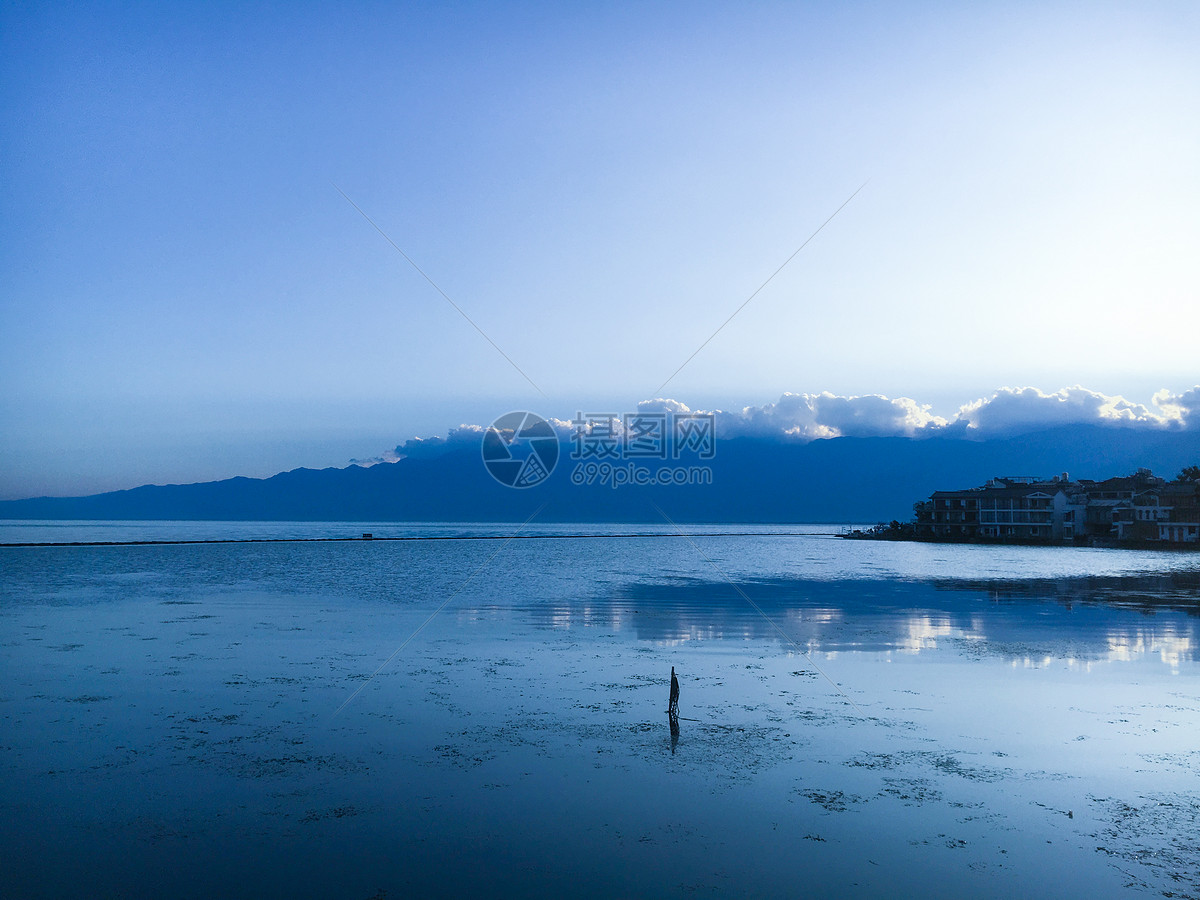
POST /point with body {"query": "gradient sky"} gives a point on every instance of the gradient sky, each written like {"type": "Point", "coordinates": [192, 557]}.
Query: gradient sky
{"type": "Point", "coordinates": [185, 294]}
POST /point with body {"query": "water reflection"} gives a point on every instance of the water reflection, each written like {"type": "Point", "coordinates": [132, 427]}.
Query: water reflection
{"type": "Point", "coordinates": [673, 710]}
{"type": "Point", "coordinates": [925, 630]}
{"type": "Point", "coordinates": [1172, 648]}
{"type": "Point", "coordinates": [1149, 593]}
{"type": "Point", "coordinates": [1082, 620]}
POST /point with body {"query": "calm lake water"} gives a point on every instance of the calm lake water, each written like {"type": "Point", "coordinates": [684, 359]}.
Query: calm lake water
{"type": "Point", "coordinates": [488, 717]}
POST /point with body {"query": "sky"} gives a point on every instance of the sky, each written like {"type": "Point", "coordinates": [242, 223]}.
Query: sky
{"type": "Point", "coordinates": [195, 281]}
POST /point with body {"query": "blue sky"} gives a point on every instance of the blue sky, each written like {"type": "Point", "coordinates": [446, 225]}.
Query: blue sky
{"type": "Point", "coordinates": [185, 294]}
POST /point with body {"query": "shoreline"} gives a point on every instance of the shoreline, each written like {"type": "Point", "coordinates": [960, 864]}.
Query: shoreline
{"type": "Point", "coordinates": [364, 539]}
{"type": "Point", "coordinates": [1093, 544]}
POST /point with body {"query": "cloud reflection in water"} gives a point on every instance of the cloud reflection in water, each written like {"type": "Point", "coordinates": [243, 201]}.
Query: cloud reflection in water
{"type": "Point", "coordinates": [1082, 621]}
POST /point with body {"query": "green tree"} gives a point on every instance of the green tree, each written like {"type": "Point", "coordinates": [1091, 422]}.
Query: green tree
{"type": "Point", "coordinates": [1189, 473]}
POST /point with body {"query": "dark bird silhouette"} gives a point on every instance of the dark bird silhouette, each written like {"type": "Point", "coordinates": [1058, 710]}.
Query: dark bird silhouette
{"type": "Point", "coordinates": [673, 705]}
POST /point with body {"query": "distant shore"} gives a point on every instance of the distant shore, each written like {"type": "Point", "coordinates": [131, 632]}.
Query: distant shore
{"type": "Point", "coordinates": [371, 538]}
{"type": "Point", "coordinates": [885, 533]}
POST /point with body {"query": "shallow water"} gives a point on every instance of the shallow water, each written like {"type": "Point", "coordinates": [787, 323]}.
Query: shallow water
{"type": "Point", "coordinates": [437, 718]}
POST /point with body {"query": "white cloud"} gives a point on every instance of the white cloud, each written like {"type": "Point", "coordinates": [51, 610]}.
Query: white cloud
{"type": "Point", "coordinates": [1007, 411]}
{"type": "Point", "coordinates": [807, 417]}
{"type": "Point", "coordinates": [1182, 408]}
{"type": "Point", "coordinates": [424, 447]}
{"type": "Point", "coordinates": [825, 415]}
{"type": "Point", "coordinates": [662, 404]}
{"type": "Point", "coordinates": [873, 415]}
{"type": "Point", "coordinates": [1011, 410]}
{"type": "Point", "coordinates": [387, 456]}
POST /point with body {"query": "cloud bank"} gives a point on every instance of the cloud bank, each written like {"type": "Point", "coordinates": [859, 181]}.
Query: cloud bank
{"type": "Point", "coordinates": [807, 417]}
{"type": "Point", "coordinates": [1007, 412]}
{"type": "Point", "coordinates": [1012, 410]}
{"type": "Point", "coordinates": [424, 448]}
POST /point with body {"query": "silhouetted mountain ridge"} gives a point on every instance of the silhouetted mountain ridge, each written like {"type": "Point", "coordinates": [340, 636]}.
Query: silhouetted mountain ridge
{"type": "Point", "coordinates": [754, 480]}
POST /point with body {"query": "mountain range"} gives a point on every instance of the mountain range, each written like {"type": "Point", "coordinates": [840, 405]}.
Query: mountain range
{"type": "Point", "coordinates": [837, 480]}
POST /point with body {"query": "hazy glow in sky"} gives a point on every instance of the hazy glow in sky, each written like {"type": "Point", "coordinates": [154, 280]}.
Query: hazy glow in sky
{"type": "Point", "coordinates": [184, 294]}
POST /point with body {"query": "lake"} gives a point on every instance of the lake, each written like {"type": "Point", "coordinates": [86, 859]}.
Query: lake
{"type": "Point", "coordinates": [479, 715]}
